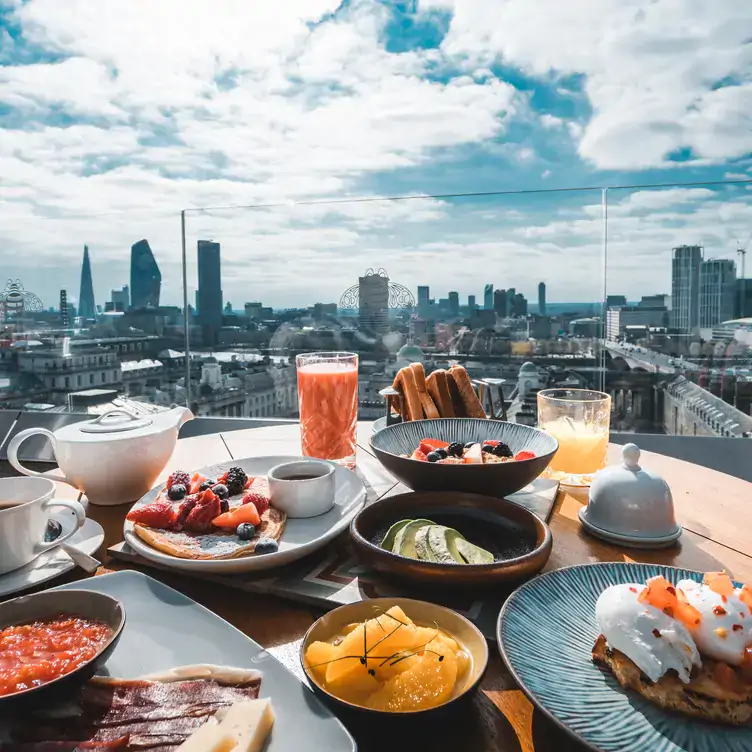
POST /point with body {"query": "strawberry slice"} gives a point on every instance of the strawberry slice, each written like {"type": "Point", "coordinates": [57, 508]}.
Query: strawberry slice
{"type": "Point", "coordinates": [159, 515]}
{"type": "Point", "coordinates": [200, 518]}
{"type": "Point", "coordinates": [428, 445]}
{"type": "Point", "coordinates": [251, 480]}
{"type": "Point", "coordinates": [524, 455]}
{"type": "Point", "coordinates": [231, 519]}
{"type": "Point", "coordinates": [492, 442]}
{"type": "Point", "coordinates": [418, 455]}
{"type": "Point", "coordinates": [196, 482]}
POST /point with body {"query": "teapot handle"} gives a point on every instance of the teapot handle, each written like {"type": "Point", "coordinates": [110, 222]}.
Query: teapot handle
{"type": "Point", "coordinates": [115, 411]}
{"type": "Point", "coordinates": [15, 444]}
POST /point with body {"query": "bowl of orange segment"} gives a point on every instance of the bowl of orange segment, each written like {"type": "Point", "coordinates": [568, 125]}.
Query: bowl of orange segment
{"type": "Point", "coordinates": [394, 656]}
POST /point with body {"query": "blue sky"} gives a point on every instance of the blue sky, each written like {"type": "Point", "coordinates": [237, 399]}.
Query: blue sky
{"type": "Point", "coordinates": [115, 115]}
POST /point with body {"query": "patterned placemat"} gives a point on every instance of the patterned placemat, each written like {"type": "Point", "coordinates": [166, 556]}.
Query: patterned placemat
{"type": "Point", "coordinates": [333, 577]}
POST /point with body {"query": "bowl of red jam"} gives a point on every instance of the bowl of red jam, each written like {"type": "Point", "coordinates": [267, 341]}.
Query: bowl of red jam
{"type": "Point", "coordinates": [53, 640]}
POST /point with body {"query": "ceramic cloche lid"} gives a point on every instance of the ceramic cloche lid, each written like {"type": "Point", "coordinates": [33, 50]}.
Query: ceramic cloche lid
{"type": "Point", "coordinates": [631, 506]}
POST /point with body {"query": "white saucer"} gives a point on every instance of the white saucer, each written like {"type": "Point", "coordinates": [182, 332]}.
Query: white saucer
{"type": "Point", "coordinates": [299, 538]}
{"type": "Point", "coordinates": [54, 562]}
{"type": "Point", "coordinates": [630, 541]}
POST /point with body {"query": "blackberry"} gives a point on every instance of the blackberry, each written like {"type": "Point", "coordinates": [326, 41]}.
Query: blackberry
{"type": "Point", "coordinates": [221, 491]}
{"type": "Point", "coordinates": [176, 492]}
{"type": "Point", "coordinates": [455, 449]}
{"type": "Point", "coordinates": [503, 450]}
{"type": "Point", "coordinates": [235, 480]}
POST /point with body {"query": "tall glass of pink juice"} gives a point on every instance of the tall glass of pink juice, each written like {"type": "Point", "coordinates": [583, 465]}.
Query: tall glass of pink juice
{"type": "Point", "coordinates": [328, 401]}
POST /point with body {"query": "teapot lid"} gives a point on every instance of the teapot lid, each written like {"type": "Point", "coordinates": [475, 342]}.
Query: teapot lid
{"type": "Point", "coordinates": [114, 421]}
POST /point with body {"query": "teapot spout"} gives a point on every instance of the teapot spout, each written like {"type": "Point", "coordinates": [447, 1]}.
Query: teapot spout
{"type": "Point", "coordinates": [180, 415]}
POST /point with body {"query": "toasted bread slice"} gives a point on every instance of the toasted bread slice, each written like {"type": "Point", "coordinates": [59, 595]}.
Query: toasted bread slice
{"type": "Point", "coordinates": [406, 386]}
{"type": "Point", "coordinates": [429, 408]}
{"type": "Point", "coordinates": [454, 393]}
{"type": "Point", "coordinates": [470, 402]}
{"type": "Point", "coordinates": [703, 697]}
{"type": "Point", "coordinates": [437, 384]}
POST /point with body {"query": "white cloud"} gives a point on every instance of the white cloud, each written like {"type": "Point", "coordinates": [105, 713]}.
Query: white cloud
{"type": "Point", "coordinates": [650, 68]}
{"type": "Point", "coordinates": [551, 122]}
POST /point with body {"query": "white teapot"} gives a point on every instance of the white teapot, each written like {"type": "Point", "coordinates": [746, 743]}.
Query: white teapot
{"type": "Point", "coordinates": [113, 459]}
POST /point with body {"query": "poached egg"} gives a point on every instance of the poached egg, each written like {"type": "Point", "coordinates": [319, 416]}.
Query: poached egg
{"type": "Point", "coordinates": [725, 627]}
{"type": "Point", "coordinates": [654, 641]}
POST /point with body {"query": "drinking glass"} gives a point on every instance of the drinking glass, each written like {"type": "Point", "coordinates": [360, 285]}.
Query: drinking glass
{"type": "Point", "coordinates": [579, 419]}
{"type": "Point", "coordinates": [328, 402]}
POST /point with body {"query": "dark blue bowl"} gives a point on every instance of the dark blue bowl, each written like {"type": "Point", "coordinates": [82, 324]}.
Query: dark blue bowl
{"type": "Point", "coordinates": [498, 479]}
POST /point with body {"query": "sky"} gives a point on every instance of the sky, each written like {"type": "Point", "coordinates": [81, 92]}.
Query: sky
{"type": "Point", "coordinates": [116, 115]}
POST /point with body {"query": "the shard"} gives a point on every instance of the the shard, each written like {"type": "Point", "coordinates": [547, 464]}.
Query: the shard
{"type": "Point", "coordinates": [86, 307]}
{"type": "Point", "coordinates": [146, 279]}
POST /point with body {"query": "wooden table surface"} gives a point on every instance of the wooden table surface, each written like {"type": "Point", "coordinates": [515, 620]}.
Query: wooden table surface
{"type": "Point", "coordinates": [715, 510]}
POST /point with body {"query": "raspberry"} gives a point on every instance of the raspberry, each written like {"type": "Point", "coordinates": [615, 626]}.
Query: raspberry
{"type": "Point", "coordinates": [200, 518]}
{"type": "Point", "coordinates": [159, 515]}
{"type": "Point", "coordinates": [258, 500]}
{"type": "Point", "coordinates": [179, 476]}
{"type": "Point", "coordinates": [185, 508]}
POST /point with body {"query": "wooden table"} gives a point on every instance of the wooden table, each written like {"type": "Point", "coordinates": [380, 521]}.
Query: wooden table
{"type": "Point", "coordinates": [715, 509]}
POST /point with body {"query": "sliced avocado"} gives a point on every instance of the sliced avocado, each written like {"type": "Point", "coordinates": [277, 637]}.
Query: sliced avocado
{"type": "Point", "coordinates": [442, 542]}
{"type": "Point", "coordinates": [391, 534]}
{"type": "Point", "coordinates": [404, 543]}
{"type": "Point", "coordinates": [474, 554]}
{"type": "Point", "coordinates": [421, 544]}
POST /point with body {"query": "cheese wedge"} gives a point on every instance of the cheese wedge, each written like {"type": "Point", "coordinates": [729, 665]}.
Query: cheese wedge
{"type": "Point", "coordinates": [249, 722]}
{"type": "Point", "coordinates": [209, 738]}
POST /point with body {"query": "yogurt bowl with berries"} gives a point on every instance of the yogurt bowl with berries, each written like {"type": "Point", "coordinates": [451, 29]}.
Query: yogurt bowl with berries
{"type": "Point", "coordinates": [476, 455]}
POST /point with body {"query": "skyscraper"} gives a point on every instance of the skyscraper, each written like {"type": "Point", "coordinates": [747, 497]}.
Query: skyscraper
{"type": "Point", "coordinates": [146, 279]}
{"type": "Point", "coordinates": [500, 304]}
{"type": "Point", "coordinates": [209, 297]}
{"type": "Point", "coordinates": [120, 299]}
{"type": "Point", "coordinates": [685, 288]}
{"type": "Point", "coordinates": [717, 291]}
{"type": "Point", "coordinates": [86, 307]}
{"type": "Point", "coordinates": [454, 304]}
{"type": "Point", "coordinates": [424, 301]}
{"type": "Point", "coordinates": [542, 298]}
{"type": "Point", "coordinates": [488, 297]}
{"type": "Point", "coordinates": [373, 297]}
{"type": "Point", "coordinates": [64, 313]}
{"type": "Point", "coordinates": [471, 303]}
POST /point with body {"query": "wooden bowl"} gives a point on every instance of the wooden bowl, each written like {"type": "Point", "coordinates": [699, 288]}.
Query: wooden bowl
{"type": "Point", "coordinates": [496, 479]}
{"type": "Point", "coordinates": [520, 541]}
{"type": "Point", "coordinates": [422, 613]}
{"type": "Point", "coordinates": [50, 605]}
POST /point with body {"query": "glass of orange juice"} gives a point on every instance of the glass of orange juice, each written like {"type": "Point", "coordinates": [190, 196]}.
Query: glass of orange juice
{"type": "Point", "coordinates": [579, 419]}
{"type": "Point", "coordinates": [328, 402]}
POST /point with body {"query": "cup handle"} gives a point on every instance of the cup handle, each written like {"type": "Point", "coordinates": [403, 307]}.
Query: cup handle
{"type": "Point", "coordinates": [15, 444]}
{"type": "Point", "coordinates": [76, 508]}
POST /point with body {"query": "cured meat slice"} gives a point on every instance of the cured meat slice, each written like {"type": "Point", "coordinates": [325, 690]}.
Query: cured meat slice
{"type": "Point", "coordinates": [154, 714]}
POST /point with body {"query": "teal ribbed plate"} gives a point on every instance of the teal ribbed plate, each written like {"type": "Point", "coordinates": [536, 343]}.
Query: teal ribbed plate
{"type": "Point", "coordinates": [546, 631]}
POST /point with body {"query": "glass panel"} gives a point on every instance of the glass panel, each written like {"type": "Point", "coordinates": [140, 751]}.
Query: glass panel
{"type": "Point", "coordinates": [493, 283]}
{"type": "Point", "coordinates": [91, 316]}
{"type": "Point", "coordinates": [678, 323]}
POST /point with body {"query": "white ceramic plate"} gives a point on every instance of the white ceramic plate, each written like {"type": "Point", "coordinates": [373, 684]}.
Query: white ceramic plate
{"type": "Point", "coordinates": [54, 562]}
{"type": "Point", "coordinates": [299, 538]}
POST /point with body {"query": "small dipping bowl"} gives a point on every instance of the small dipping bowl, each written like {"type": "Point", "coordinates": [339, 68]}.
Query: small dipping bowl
{"type": "Point", "coordinates": [303, 488]}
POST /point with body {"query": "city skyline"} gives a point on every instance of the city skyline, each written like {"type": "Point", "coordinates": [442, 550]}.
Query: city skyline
{"type": "Point", "coordinates": [101, 144]}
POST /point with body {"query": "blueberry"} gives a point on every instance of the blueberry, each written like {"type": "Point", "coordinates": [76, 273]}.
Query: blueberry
{"type": "Point", "coordinates": [455, 449]}
{"type": "Point", "coordinates": [441, 452]}
{"type": "Point", "coordinates": [176, 492]}
{"type": "Point", "coordinates": [221, 490]}
{"type": "Point", "coordinates": [267, 546]}
{"type": "Point", "coordinates": [433, 457]}
{"type": "Point", "coordinates": [207, 484]}
{"type": "Point", "coordinates": [245, 531]}
{"type": "Point", "coordinates": [469, 444]}
{"type": "Point", "coordinates": [503, 450]}
{"type": "Point", "coordinates": [488, 448]}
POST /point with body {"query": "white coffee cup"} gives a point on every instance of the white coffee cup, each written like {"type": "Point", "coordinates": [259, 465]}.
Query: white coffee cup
{"type": "Point", "coordinates": [25, 508]}
{"type": "Point", "coordinates": [303, 488]}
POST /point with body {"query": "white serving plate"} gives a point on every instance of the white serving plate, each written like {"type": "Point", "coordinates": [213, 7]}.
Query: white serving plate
{"type": "Point", "coordinates": [299, 538]}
